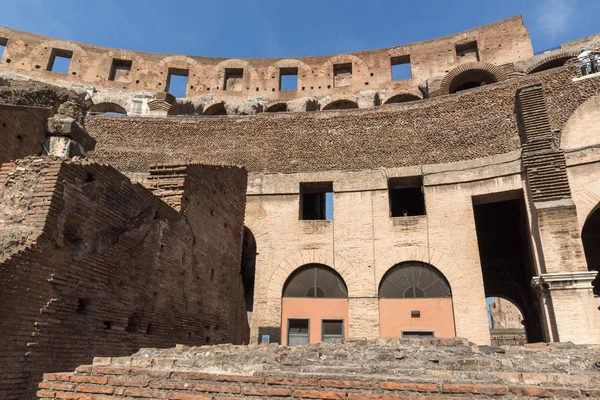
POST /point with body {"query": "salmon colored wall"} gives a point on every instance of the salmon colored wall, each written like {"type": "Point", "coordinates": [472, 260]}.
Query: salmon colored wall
{"type": "Point", "coordinates": [315, 310]}
{"type": "Point", "coordinates": [436, 315]}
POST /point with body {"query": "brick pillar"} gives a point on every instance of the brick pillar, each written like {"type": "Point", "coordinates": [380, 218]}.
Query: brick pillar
{"type": "Point", "coordinates": [564, 283]}
{"type": "Point", "coordinates": [363, 317]}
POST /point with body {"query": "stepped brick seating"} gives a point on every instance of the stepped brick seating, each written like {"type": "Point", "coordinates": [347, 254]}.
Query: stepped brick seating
{"type": "Point", "coordinates": [430, 369]}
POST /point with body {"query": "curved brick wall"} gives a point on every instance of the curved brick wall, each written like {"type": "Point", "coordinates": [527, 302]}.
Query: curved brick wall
{"type": "Point", "coordinates": [498, 43]}
{"type": "Point", "coordinates": [473, 124]}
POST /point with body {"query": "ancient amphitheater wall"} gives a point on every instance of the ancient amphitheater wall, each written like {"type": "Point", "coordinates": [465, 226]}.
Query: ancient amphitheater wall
{"type": "Point", "coordinates": [103, 68]}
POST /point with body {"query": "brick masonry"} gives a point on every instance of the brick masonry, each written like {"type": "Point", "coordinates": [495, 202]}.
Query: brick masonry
{"type": "Point", "coordinates": [95, 265]}
{"type": "Point", "coordinates": [183, 374]}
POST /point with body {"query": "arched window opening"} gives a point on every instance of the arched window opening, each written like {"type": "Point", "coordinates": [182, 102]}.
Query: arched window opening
{"type": "Point", "coordinates": [341, 105]}
{"type": "Point", "coordinates": [248, 268]}
{"type": "Point", "coordinates": [558, 62]}
{"type": "Point", "coordinates": [216, 109]}
{"type": "Point", "coordinates": [315, 281]}
{"type": "Point", "coordinates": [402, 98]}
{"type": "Point", "coordinates": [590, 237]}
{"type": "Point", "coordinates": [279, 107]}
{"type": "Point", "coordinates": [471, 79]}
{"type": "Point", "coordinates": [108, 109]}
{"type": "Point", "coordinates": [507, 324]}
{"type": "Point", "coordinates": [410, 280]}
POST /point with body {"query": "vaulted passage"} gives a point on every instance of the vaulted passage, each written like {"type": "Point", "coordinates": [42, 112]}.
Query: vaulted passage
{"type": "Point", "coordinates": [248, 268]}
{"type": "Point", "coordinates": [471, 79]}
{"type": "Point", "coordinates": [504, 250]}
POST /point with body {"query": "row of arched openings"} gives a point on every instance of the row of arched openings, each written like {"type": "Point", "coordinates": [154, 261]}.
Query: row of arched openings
{"type": "Point", "coordinates": [407, 280]}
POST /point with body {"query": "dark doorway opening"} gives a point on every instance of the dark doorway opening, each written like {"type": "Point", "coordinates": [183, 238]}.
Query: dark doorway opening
{"type": "Point", "coordinates": [248, 268]}
{"type": "Point", "coordinates": [505, 254]}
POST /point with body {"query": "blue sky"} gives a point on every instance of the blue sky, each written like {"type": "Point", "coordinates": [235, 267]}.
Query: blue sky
{"type": "Point", "coordinates": [265, 28]}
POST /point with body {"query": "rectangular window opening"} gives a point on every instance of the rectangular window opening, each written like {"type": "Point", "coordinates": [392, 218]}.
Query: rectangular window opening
{"type": "Point", "coordinates": [3, 42]}
{"type": "Point", "coordinates": [119, 70]}
{"type": "Point", "coordinates": [401, 68]}
{"type": "Point", "coordinates": [234, 79]}
{"type": "Point", "coordinates": [418, 334]}
{"type": "Point", "coordinates": [59, 61]}
{"type": "Point", "coordinates": [316, 201]}
{"type": "Point", "coordinates": [177, 80]}
{"type": "Point", "coordinates": [466, 52]}
{"type": "Point", "coordinates": [288, 79]}
{"type": "Point", "coordinates": [332, 329]}
{"type": "Point", "coordinates": [342, 74]}
{"type": "Point", "coordinates": [298, 332]}
{"type": "Point", "coordinates": [407, 197]}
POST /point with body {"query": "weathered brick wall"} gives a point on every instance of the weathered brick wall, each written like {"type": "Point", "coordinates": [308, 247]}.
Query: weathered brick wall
{"type": "Point", "coordinates": [22, 131]}
{"type": "Point", "coordinates": [498, 43]}
{"type": "Point", "coordinates": [192, 375]}
{"type": "Point", "coordinates": [438, 130]}
{"type": "Point", "coordinates": [108, 268]}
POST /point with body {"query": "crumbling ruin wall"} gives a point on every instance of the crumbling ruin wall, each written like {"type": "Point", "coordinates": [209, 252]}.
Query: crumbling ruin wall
{"type": "Point", "coordinates": [468, 125]}
{"type": "Point", "coordinates": [428, 369]}
{"type": "Point", "coordinates": [22, 131]}
{"type": "Point", "coordinates": [25, 106]}
{"type": "Point", "coordinates": [95, 265]}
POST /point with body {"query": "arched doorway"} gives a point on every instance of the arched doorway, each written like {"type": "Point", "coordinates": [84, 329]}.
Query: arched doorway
{"type": "Point", "coordinates": [507, 324]}
{"type": "Point", "coordinates": [590, 235]}
{"type": "Point", "coordinates": [248, 268]}
{"type": "Point", "coordinates": [471, 79]}
{"type": "Point", "coordinates": [314, 306]}
{"type": "Point", "coordinates": [402, 98]}
{"type": "Point", "coordinates": [415, 300]}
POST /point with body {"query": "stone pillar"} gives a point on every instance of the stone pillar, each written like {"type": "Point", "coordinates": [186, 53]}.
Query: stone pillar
{"type": "Point", "coordinates": [564, 283]}
{"type": "Point", "coordinates": [65, 134]}
{"type": "Point", "coordinates": [570, 298]}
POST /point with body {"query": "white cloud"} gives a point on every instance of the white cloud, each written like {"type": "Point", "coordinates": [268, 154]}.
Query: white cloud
{"type": "Point", "coordinates": [555, 17]}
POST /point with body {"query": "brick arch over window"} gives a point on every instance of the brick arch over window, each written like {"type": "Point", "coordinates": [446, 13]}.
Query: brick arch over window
{"type": "Point", "coordinates": [303, 68]}
{"type": "Point", "coordinates": [551, 61]}
{"type": "Point", "coordinates": [453, 77]}
{"type": "Point", "coordinates": [41, 54]}
{"type": "Point", "coordinates": [359, 67]}
{"type": "Point", "coordinates": [106, 63]}
{"type": "Point", "coordinates": [281, 274]}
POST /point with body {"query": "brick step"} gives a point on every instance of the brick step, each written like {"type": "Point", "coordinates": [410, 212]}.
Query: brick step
{"type": "Point", "coordinates": [160, 379]}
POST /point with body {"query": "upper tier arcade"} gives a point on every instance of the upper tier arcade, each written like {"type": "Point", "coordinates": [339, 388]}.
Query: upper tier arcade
{"type": "Point", "coordinates": [353, 80]}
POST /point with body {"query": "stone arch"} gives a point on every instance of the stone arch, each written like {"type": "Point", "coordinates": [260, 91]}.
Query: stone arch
{"type": "Point", "coordinates": [215, 108]}
{"type": "Point", "coordinates": [402, 96]}
{"type": "Point", "coordinates": [590, 237]}
{"type": "Point", "coordinates": [107, 108]}
{"type": "Point", "coordinates": [582, 129]}
{"type": "Point", "coordinates": [359, 67]}
{"type": "Point", "coordinates": [312, 256]}
{"type": "Point", "coordinates": [276, 106]}
{"type": "Point", "coordinates": [471, 70]}
{"type": "Point", "coordinates": [339, 103]}
{"type": "Point", "coordinates": [551, 61]}
{"type": "Point", "coordinates": [40, 55]}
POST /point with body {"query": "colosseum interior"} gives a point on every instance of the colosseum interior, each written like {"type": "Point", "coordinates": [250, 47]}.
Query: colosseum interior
{"type": "Point", "coordinates": [283, 203]}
